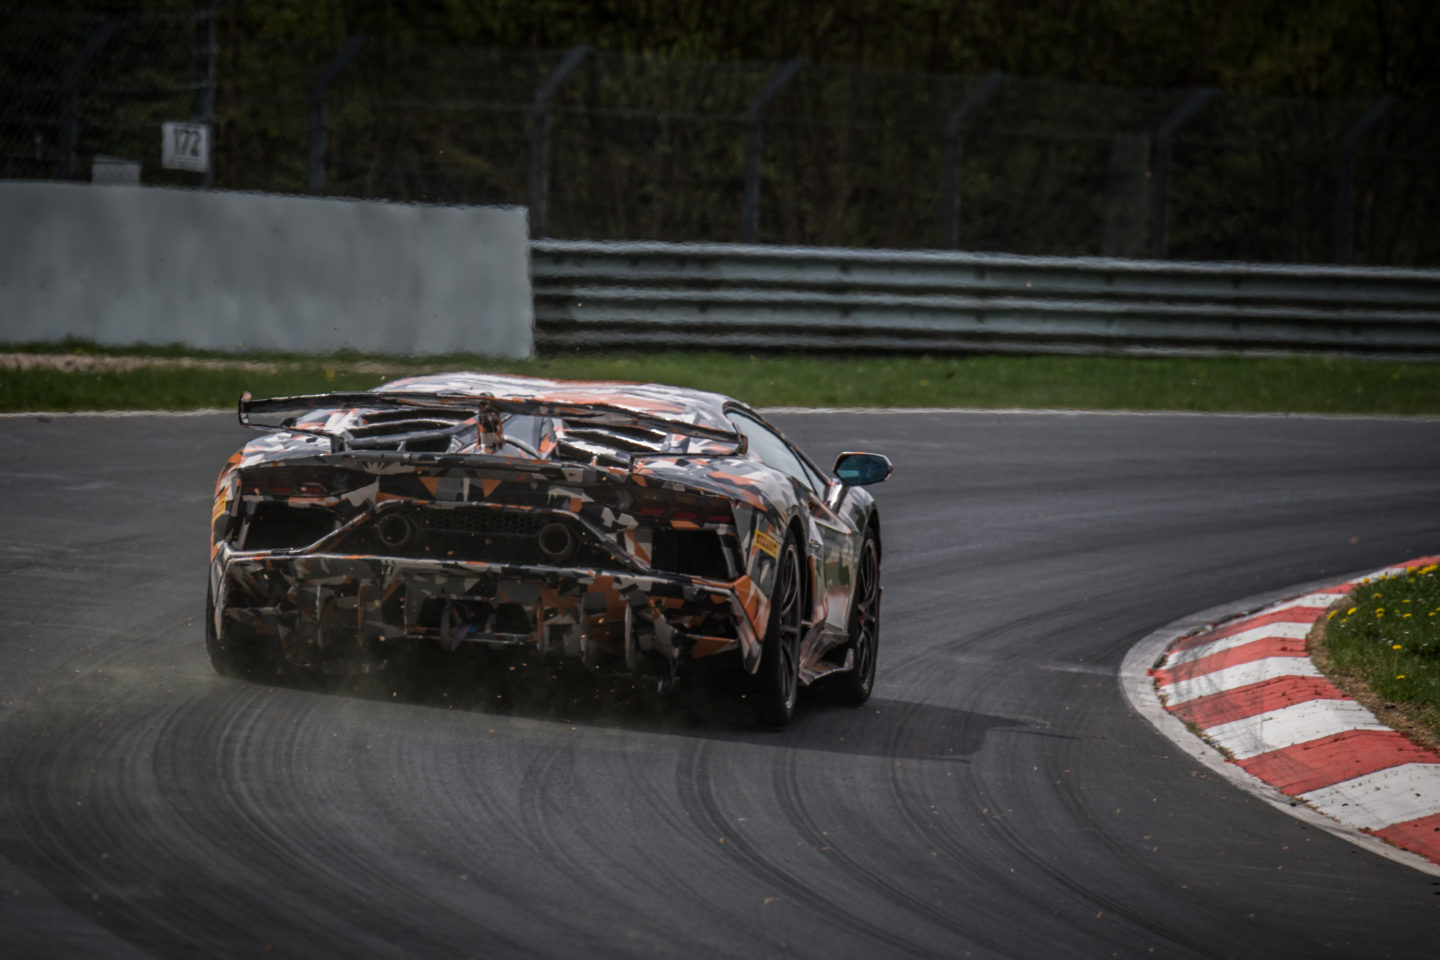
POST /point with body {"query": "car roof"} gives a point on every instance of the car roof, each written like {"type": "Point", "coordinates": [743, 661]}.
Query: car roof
{"type": "Point", "coordinates": [656, 399]}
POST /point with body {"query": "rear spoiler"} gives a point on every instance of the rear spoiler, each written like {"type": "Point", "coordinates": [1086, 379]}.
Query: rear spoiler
{"type": "Point", "coordinates": [436, 414]}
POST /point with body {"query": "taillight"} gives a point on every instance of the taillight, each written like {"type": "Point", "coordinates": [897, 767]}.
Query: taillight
{"type": "Point", "coordinates": [316, 482]}
{"type": "Point", "coordinates": [695, 516]}
{"type": "Point", "coordinates": [686, 510]}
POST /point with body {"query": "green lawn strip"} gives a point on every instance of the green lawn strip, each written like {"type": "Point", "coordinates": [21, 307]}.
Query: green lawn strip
{"type": "Point", "coordinates": [1259, 384]}
{"type": "Point", "coordinates": [1387, 636]}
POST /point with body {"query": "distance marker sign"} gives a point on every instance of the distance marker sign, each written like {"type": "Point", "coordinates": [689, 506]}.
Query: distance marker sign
{"type": "Point", "coordinates": [186, 146]}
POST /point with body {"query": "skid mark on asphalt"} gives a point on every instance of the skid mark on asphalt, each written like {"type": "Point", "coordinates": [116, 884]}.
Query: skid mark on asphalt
{"type": "Point", "coordinates": [777, 874]}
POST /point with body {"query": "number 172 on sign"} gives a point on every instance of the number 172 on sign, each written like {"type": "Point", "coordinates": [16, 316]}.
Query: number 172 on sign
{"type": "Point", "coordinates": [186, 146]}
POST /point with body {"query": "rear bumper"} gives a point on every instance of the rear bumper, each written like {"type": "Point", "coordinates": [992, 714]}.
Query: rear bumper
{"type": "Point", "coordinates": [327, 606]}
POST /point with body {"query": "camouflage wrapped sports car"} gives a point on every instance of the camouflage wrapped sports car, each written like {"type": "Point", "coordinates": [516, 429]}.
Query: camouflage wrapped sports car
{"type": "Point", "coordinates": [652, 529]}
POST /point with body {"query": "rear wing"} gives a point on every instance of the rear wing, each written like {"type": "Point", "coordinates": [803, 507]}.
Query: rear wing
{"type": "Point", "coordinates": [418, 416]}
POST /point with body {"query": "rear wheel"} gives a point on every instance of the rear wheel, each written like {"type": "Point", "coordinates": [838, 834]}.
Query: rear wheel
{"type": "Point", "coordinates": [777, 682]}
{"type": "Point", "coordinates": [854, 686]}
{"type": "Point", "coordinates": [233, 657]}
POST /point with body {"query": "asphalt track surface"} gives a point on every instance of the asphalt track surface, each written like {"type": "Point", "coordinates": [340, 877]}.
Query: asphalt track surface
{"type": "Point", "coordinates": [997, 797]}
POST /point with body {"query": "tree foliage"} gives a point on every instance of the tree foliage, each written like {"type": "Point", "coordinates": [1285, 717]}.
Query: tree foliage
{"type": "Point", "coordinates": [649, 137]}
{"type": "Point", "coordinates": [1310, 48]}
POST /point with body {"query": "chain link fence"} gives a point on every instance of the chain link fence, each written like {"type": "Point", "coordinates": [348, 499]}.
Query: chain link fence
{"type": "Point", "coordinates": [629, 147]}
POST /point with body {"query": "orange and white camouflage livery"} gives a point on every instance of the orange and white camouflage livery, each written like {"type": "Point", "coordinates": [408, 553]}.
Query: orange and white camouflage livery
{"type": "Point", "coordinates": [634, 525]}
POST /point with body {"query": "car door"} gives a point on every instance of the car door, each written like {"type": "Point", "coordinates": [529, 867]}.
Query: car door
{"type": "Point", "coordinates": [832, 540]}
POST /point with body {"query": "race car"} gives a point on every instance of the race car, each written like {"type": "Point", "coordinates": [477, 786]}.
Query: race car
{"type": "Point", "coordinates": [649, 529]}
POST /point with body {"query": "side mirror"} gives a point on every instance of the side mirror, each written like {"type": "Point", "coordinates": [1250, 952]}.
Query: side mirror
{"type": "Point", "coordinates": [861, 469]}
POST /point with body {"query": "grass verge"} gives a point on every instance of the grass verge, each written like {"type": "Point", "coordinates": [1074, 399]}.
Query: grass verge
{"type": "Point", "coordinates": [82, 376]}
{"type": "Point", "coordinates": [1382, 647]}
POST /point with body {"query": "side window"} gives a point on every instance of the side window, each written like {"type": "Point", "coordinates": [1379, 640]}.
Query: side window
{"type": "Point", "coordinates": [818, 481]}
{"type": "Point", "coordinates": [773, 451]}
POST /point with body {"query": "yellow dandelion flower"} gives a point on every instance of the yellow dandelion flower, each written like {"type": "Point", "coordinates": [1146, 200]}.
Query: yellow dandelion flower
{"type": "Point", "coordinates": [1400, 676]}
{"type": "Point", "coordinates": [1331, 614]}
{"type": "Point", "coordinates": [1396, 646]}
{"type": "Point", "coordinates": [1406, 617]}
{"type": "Point", "coordinates": [1350, 611]}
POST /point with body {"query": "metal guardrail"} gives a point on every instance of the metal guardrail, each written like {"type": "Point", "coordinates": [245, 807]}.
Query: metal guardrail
{"type": "Point", "coordinates": [760, 297]}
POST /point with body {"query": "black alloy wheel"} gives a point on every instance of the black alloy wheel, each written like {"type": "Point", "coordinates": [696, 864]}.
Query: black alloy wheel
{"type": "Point", "coordinates": [777, 683]}
{"type": "Point", "coordinates": [853, 687]}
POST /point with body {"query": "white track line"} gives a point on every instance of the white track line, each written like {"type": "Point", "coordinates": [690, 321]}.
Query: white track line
{"type": "Point", "coordinates": [112, 414]}
{"type": "Point", "coordinates": [801, 411]}
{"type": "Point", "coordinates": [1060, 412]}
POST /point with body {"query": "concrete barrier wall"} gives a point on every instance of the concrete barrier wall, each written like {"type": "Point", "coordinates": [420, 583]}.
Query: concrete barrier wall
{"type": "Point", "coordinates": [240, 271]}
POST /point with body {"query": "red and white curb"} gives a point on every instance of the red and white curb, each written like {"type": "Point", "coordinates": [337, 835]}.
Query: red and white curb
{"type": "Point", "coordinates": [1248, 685]}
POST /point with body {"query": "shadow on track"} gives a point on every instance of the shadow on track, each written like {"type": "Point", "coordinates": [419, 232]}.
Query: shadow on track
{"type": "Point", "coordinates": [710, 708]}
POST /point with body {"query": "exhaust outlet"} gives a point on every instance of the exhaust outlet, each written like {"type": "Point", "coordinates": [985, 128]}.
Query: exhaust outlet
{"type": "Point", "coordinates": [556, 541]}
{"type": "Point", "coordinates": [394, 530]}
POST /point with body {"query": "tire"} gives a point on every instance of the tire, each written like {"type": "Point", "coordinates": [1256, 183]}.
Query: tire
{"type": "Point", "coordinates": [777, 682]}
{"type": "Point", "coordinates": [853, 686]}
{"type": "Point", "coordinates": [236, 658]}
